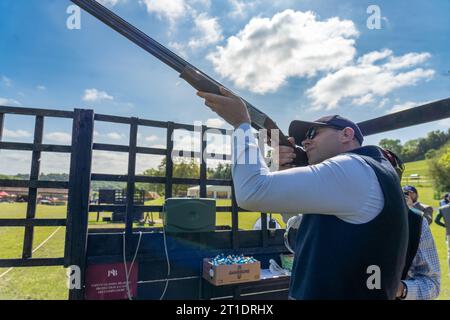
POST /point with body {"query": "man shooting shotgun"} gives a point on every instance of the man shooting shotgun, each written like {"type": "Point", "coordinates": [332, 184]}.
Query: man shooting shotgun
{"type": "Point", "coordinates": [354, 213]}
{"type": "Point", "coordinates": [352, 242]}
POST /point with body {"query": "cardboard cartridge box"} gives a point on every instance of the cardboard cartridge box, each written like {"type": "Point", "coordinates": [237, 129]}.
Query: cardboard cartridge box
{"type": "Point", "coordinates": [220, 275]}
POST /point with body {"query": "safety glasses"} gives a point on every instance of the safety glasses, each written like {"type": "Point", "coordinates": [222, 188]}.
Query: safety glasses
{"type": "Point", "coordinates": [312, 132]}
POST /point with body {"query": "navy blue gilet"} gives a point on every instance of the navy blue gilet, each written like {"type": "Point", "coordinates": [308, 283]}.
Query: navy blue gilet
{"type": "Point", "coordinates": [335, 259]}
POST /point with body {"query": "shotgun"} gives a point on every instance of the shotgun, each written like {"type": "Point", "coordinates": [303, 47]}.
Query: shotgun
{"type": "Point", "coordinates": [195, 77]}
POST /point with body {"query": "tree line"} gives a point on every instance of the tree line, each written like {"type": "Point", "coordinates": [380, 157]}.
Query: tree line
{"type": "Point", "coordinates": [184, 169]}
{"type": "Point", "coordinates": [417, 149]}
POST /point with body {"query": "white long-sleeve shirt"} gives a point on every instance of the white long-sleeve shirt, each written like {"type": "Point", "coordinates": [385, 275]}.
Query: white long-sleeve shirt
{"type": "Point", "coordinates": [344, 186]}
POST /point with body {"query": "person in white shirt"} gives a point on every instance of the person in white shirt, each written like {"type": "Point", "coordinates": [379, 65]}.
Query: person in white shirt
{"type": "Point", "coordinates": [353, 223]}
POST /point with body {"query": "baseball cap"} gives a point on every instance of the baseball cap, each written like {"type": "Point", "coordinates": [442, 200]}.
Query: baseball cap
{"type": "Point", "coordinates": [298, 128]}
{"type": "Point", "coordinates": [409, 189]}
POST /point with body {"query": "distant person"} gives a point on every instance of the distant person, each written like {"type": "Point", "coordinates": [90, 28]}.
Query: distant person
{"type": "Point", "coordinates": [421, 277]}
{"type": "Point", "coordinates": [444, 212]}
{"type": "Point", "coordinates": [411, 191]}
{"type": "Point", "coordinates": [445, 201]}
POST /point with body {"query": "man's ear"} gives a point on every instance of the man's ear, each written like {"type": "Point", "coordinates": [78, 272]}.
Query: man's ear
{"type": "Point", "coordinates": [348, 134]}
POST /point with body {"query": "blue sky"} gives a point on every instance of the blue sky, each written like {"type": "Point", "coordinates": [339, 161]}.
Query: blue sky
{"type": "Point", "coordinates": [292, 59]}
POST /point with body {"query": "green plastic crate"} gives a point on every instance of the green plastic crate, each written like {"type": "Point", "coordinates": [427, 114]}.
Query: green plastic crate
{"type": "Point", "coordinates": [189, 215]}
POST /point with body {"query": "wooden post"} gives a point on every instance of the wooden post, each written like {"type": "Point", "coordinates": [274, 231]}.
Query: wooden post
{"type": "Point", "coordinates": [79, 188]}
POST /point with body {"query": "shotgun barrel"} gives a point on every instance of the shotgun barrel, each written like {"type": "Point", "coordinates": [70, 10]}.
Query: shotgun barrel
{"type": "Point", "coordinates": [196, 78]}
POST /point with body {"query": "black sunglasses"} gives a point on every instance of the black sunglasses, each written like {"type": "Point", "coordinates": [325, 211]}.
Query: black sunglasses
{"type": "Point", "coordinates": [312, 132]}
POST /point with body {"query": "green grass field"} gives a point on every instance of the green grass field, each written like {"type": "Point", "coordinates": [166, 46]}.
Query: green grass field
{"type": "Point", "coordinates": [50, 282]}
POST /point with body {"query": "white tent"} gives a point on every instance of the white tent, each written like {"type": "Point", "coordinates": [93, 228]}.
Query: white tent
{"type": "Point", "coordinates": [220, 192]}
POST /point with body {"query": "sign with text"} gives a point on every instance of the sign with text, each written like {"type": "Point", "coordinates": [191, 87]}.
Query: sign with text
{"type": "Point", "coordinates": [108, 281]}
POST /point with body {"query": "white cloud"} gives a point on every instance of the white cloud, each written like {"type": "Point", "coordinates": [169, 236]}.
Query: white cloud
{"type": "Point", "coordinates": [16, 134]}
{"type": "Point", "coordinates": [110, 3]}
{"type": "Point", "coordinates": [52, 162]}
{"type": "Point", "coordinates": [240, 8]}
{"type": "Point", "coordinates": [169, 9]}
{"type": "Point", "coordinates": [151, 138]}
{"type": "Point", "coordinates": [179, 49]}
{"type": "Point", "coordinates": [13, 162]}
{"type": "Point", "coordinates": [383, 103]}
{"type": "Point", "coordinates": [109, 162]}
{"type": "Point", "coordinates": [267, 52]}
{"type": "Point", "coordinates": [41, 87]}
{"type": "Point", "coordinates": [117, 162]}
{"type": "Point", "coordinates": [94, 95]}
{"type": "Point", "coordinates": [61, 137]}
{"type": "Point", "coordinates": [9, 102]}
{"type": "Point", "coordinates": [444, 123]}
{"type": "Point", "coordinates": [369, 78]}
{"type": "Point", "coordinates": [363, 100]}
{"type": "Point", "coordinates": [205, 4]}
{"type": "Point", "coordinates": [209, 31]}
{"type": "Point", "coordinates": [107, 137]}
{"type": "Point", "coordinates": [215, 123]}
{"type": "Point", "coordinates": [115, 136]}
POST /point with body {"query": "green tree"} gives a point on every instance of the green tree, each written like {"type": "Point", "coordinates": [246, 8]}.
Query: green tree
{"type": "Point", "coordinates": [181, 169]}
{"type": "Point", "coordinates": [440, 169]}
{"type": "Point", "coordinates": [392, 145]}
{"type": "Point", "coordinates": [430, 154]}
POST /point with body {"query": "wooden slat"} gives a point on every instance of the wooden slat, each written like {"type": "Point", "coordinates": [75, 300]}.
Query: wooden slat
{"type": "Point", "coordinates": [32, 192]}
{"type": "Point", "coordinates": [203, 169]}
{"type": "Point", "coordinates": [113, 119]}
{"type": "Point", "coordinates": [44, 262]}
{"type": "Point", "coordinates": [148, 179]}
{"type": "Point", "coordinates": [152, 123]}
{"type": "Point", "coordinates": [35, 147]}
{"type": "Point", "coordinates": [109, 177]}
{"type": "Point", "coordinates": [2, 121]}
{"type": "Point", "coordinates": [111, 207]}
{"type": "Point", "coordinates": [36, 112]}
{"type": "Point", "coordinates": [32, 222]}
{"type": "Point", "coordinates": [110, 147]}
{"type": "Point", "coordinates": [34, 184]}
{"type": "Point", "coordinates": [234, 220]}
{"type": "Point", "coordinates": [129, 213]}
{"type": "Point", "coordinates": [153, 151]}
{"type": "Point", "coordinates": [169, 162]}
{"type": "Point", "coordinates": [264, 229]}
